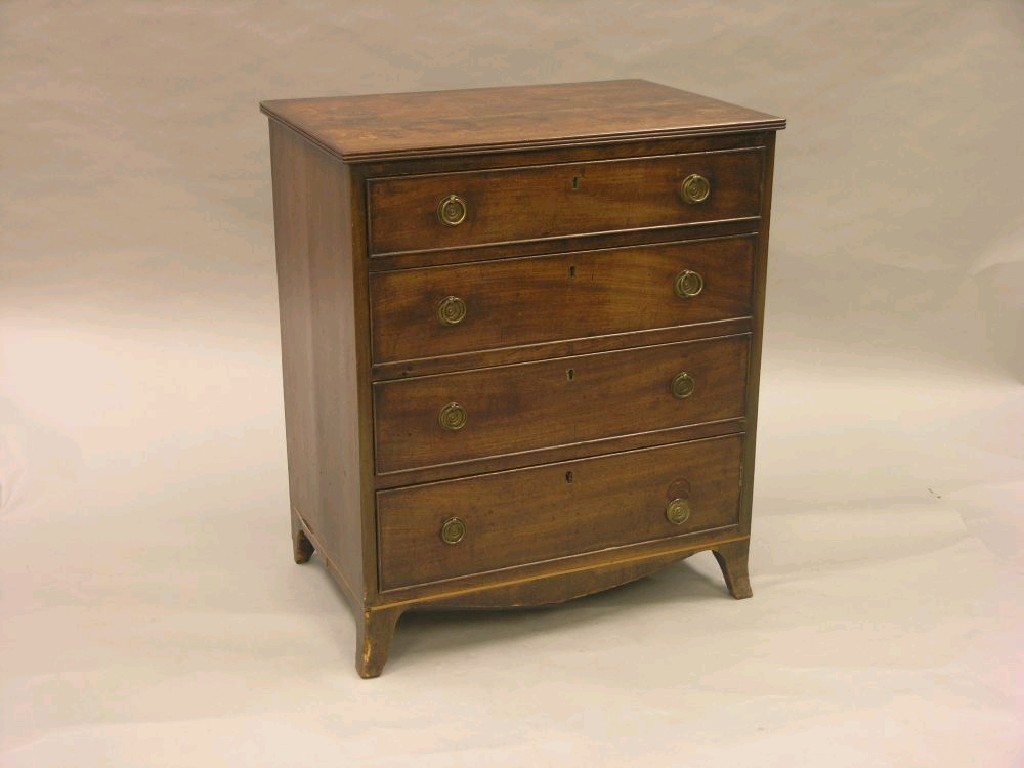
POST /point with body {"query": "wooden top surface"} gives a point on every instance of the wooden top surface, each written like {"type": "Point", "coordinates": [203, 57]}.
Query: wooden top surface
{"type": "Point", "coordinates": [400, 125]}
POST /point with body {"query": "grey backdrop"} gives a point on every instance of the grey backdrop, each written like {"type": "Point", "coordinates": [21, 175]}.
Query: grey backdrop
{"type": "Point", "coordinates": [149, 611]}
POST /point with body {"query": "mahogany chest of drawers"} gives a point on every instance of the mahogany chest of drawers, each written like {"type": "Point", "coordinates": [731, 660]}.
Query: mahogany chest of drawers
{"type": "Point", "coordinates": [521, 331]}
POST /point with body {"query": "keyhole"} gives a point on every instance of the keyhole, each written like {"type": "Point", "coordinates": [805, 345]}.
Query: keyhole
{"type": "Point", "coordinates": [568, 477]}
{"type": "Point", "coordinates": [572, 271]}
{"type": "Point", "coordinates": [575, 182]}
{"type": "Point", "coordinates": [570, 374]}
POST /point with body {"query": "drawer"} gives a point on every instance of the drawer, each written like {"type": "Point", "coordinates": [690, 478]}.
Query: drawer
{"type": "Point", "coordinates": [461, 308]}
{"type": "Point", "coordinates": [452, 210]}
{"type": "Point", "coordinates": [556, 510]}
{"type": "Point", "coordinates": [457, 417]}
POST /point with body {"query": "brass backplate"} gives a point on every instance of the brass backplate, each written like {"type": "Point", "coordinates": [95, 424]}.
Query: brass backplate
{"type": "Point", "coordinates": [452, 210]}
{"type": "Point", "coordinates": [678, 511]}
{"type": "Point", "coordinates": [695, 189]}
{"type": "Point", "coordinates": [683, 385]}
{"type": "Point", "coordinates": [452, 417]}
{"type": "Point", "coordinates": [453, 530]}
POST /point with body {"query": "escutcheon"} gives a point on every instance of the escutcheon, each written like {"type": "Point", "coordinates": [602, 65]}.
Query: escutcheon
{"type": "Point", "coordinates": [452, 210]}
{"type": "Point", "coordinates": [696, 189]}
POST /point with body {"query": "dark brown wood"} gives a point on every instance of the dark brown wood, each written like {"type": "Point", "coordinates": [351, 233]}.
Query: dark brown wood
{"type": "Point", "coordinates": [564, 361]}
{"type": "Point", "coordinates": [625, 147]}
{"type": "Point", "coordinates": [362, 360]}
{"type": "Point", "coordinates": [302, 547]}
{"type": "Point", "coordinates": [373, 639]}
{"type": "Point", "coordinates": [556, 510]}
{"type": "Point", "coordinates": [537, 583]}
{"type": "Point", "coordinates": [754, 363]}
{"type": "Point", "coordinates": [538, 203]}
{"type": "Point", "coordinates": [732, 557]}
{"type": "Point", "coordinates": [318, 342]}
{"type": "Point", "coordinates": [552, 453]}
{"type": "Point", "coordinates": [566, 296]}
{"type": "Point", "coordinates": [571, 244]}
{"type": "Point", "coordinates": [525, 353]}
{"type": "Point", "coordinates": [394, 126]}
{"type": "Point", "coordinates": [566, 585]}
{"type": "Point", "coordinates": [512, 409]}
{"type": "Point", "coordinates": [528, 586]}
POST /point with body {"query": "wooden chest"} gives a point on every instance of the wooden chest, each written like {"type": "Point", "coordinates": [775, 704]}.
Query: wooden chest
{"type": "Point", "coordinates": [521, 331]}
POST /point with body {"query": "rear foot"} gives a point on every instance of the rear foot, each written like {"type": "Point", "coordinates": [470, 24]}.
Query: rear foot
{"type": "Point", "coordinates": [301, 546]}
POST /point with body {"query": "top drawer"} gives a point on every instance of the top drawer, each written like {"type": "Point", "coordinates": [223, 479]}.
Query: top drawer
{"type": "Point", "coordinates": [452, 210]}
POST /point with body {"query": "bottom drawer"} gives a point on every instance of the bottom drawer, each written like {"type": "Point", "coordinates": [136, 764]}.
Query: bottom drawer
{"type": "Point", "coordinates": [454, 528]}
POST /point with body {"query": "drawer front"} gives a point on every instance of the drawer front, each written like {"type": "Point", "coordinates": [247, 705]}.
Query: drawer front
{"type": "Point", "coordinates": [504, 205]}
{"type": "Point", "coordinates": [557, 510]}
{"type": "Point", "coordinates": [509, 409]}
{"type": "Point", "coordinates": [462, 308]}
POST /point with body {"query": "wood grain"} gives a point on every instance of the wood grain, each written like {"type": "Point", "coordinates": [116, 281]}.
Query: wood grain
{"type": "Point", "coordinates": [557, 402]}
{"type": "Point", "coordinates": [757, 339]}
{"type": "Point", "coordinates": [524, 353]}
{"type": "Point", "coordinates": [732, 557]}
{"type": "Point", "coordinates": [554, 510]}
{"type": "Point", "coordinates": [318, 345]}
{"type": "Point", "coordinates": [574, 444]}
{"type": "Point", "coordinates": [393, 126]}
{"type": "Point", "coordinates": [536, 203]}
{"type": "Point", "coordinates": [373, 639]}
{"type": "Point", "coordinates": [563, 296]}
{"type": "Point", "coordinates": [552, 453]}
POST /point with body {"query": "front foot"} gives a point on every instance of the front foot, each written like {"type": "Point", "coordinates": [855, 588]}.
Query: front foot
{"type": "Point", "coordinates": [732, 558]}
{"type": "Point", "coordinates": [373, 640]}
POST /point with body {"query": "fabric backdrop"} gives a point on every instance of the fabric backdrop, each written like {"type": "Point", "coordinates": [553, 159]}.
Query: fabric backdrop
{"type": "Point", "coordinates": [150, 614]}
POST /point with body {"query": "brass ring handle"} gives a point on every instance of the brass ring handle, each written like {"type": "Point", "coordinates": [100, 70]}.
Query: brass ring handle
{"type": "Point", "coordinates": [452, 210]}
{"type": "Point", "coordinates": [452, 417]}
{"type": "Point", "coordinates": [678, 511]}
{"type": "Point", "coordinates": [695, 189]}
{"type": "Point", "coordinates": [683, 385]}
{"type": "Point", "coordinates": [451, 310]}
{"type": "Point", "coordinates": [453, 530]}
{"type": "Point", "coordinates": [688, 284]}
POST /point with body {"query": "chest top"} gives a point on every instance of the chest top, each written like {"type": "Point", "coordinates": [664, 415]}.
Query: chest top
{"type": "Point", "coordinates": [405, 125]}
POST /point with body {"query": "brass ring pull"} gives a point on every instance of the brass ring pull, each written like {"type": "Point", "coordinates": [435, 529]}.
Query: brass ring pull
{"type": "Point", "coordinates": [453, 530]}
{"type": "Point", "coordinates": [683, 385]}
{"type": "Point", "coordinates": [452, 417]}
{"type": "Point", "coordinates": [689, 284]}
{"type": "Point", "coordinates": [695, 189]}
{"type": "Point", "coordinates": [678, 511]}
{"type": "Point", "coordinates": [451, 310]}
{"type": "Point", "coordinates": [452, 210]}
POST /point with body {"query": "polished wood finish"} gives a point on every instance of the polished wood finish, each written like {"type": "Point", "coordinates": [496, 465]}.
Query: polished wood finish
{"type": "Point", "coordinates": [552, 453]}
{"type": "Point", "coordinates": [556, 510]}
{"type": "Point", "coordinates": [526, 407]}
{"type": "Point", "coordinates": [574, 445]}
{"type": "Point", "coordinates": [314, 269]}
{"type": "Point", "coordinates": [563, 296]}
{"type": "Point", "coordinates": [539, 203]}
{"type": "Point", "coordinates": [442, 123]}
{"type": "Point", "coordinates": [732, 558]}
{"type": "Point", "coordinates": [373, 639]}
